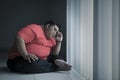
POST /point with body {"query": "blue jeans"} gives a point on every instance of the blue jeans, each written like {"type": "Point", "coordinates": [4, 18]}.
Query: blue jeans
{"type": "Point", "coordinates": [19, 64]}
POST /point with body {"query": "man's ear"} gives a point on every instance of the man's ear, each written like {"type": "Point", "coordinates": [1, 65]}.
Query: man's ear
{"type": "Point", "coordinates": [47, 26]}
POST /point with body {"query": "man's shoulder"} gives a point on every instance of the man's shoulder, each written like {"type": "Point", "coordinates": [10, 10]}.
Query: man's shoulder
{"type": "Point", "coordinates": [33, 25]}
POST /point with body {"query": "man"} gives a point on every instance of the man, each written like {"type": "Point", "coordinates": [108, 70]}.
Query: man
{"type": "Point", "coordinates": [36, 50]}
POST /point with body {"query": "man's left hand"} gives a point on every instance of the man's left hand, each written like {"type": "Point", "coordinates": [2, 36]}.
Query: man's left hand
{"type": "Point", "coordinates": [59, 36]}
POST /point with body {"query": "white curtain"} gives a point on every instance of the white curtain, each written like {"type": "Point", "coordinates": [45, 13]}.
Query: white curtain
{"type": "Point", "coordinates": [93, 38]}
{"type": "Point", "coordinates": [108, 39]}
{"type": "Point", "coordinates": [80, 36]}
{"type": "Point", "coordinates": [105, 39]}
{"type": "Point", "coordinates": [116, 40]}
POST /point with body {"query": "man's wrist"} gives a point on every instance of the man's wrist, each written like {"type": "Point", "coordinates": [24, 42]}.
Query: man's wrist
{"type": "Point", "coordinates": [58, 41]}
{"type": "Point", "coordinates": [24, 54]}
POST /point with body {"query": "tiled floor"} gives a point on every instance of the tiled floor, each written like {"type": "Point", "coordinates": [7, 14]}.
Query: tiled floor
{"type": "Point", "coordinates": [62, 75]}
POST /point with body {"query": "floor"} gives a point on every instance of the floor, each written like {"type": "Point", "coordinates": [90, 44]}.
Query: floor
{"type": "Point", "coordinates": [61, 75]}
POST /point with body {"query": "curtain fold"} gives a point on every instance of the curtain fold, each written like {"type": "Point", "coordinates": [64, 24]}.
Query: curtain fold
{"type": "Point", "coordinates": [106, 40]}
{"type": "Point", "coordinates": [93, 33]}
{"type": "Point", "coordinates": [80, 36]}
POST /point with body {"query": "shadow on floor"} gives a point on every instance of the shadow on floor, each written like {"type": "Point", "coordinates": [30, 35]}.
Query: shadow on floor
{"type": "Point", "coordinates": [4, 69]}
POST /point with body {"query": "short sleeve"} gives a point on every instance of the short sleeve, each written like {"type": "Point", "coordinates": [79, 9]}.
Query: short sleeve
{"type": "Point", "coordinates": [27, 34]}
{"type": "Point", "coordinates": [53, 42]}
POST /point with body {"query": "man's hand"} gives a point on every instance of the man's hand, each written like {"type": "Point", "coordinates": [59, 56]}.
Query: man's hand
{"type": "Point", "coordinates": [59, 36]}
{"type": "Point", "coordinates": [30, 57]}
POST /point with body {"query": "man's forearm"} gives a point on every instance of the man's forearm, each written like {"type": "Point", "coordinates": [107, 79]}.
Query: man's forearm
{"type": "Point", "coordinates": [57, 48]}
{"type": "Point", "coordinates": [21, 46]}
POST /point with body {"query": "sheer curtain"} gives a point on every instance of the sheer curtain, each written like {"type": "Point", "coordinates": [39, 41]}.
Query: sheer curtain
{"type": "Point", "coordinates": [80, 36]}
{"type": "Point", "coordinates": [93, 38]}
{"type": "Point", "coordinates": [107, 40]}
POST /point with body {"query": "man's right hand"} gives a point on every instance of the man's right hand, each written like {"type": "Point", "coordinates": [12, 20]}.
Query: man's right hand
{"type": "Point", "coordinates": [30, 57]}
{"type": "Point", "coordinates": [20, 43]}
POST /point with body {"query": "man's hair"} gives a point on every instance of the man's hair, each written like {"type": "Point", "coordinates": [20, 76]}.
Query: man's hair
{"type": "Point", "coordinates": [51, 23]}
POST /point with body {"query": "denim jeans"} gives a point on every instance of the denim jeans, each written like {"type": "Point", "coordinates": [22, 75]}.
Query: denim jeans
{"type": "Point", "coordinates": [19, 64]}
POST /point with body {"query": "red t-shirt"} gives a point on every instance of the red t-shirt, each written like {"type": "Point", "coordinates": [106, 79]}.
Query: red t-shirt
{"type": "Point", "coordinates": [35, 41]}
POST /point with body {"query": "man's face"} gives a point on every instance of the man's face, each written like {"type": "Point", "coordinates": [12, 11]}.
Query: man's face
{"type": "Point", "coordinates": [51, 31]}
